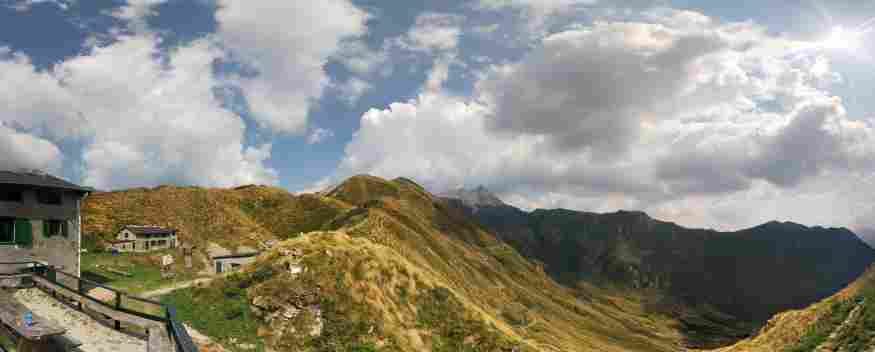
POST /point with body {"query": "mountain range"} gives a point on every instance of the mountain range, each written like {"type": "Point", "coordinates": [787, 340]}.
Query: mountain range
{"type": "Point", "coordinates": [390, 267]}
{"type": "Point", "coordinates": [749, 274]}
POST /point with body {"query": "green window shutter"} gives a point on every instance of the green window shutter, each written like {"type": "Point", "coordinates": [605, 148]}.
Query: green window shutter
{"type": "Point", "coordinates": [46, 232]}
{"type": "Point", "coordinates": [23, 232]}
{"type": "Point", "coordinates": [64, 228]}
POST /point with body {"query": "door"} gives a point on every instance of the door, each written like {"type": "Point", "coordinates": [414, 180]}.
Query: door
{"type": "Point", "coordinates": [218, 267]}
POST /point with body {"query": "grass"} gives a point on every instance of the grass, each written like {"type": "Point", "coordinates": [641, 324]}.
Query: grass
{"type": "Point", "coordinates": [818, 333]}
{"type": "Point", "coordinates": [229, 321]}
{"type": "Point", "coordinates": [440, 311]}
{"type": "Point", "coordinates": [144, 269]}
{"type": "Point", "coordinates": [7, 342]}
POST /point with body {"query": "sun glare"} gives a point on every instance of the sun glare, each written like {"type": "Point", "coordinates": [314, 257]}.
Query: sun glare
{"type": "Point", "coordinates": [843, 39]}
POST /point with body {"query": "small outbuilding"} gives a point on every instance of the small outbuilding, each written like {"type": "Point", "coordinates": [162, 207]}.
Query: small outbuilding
{"type": "Point", "coordinates": [232, 262]}
{"type": "Point", "coordinates": [225, 261]}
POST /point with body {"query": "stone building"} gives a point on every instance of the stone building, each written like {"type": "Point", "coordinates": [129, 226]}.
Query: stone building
{"type": "Point", "coordinates": [40, 219]}
{"type": "Point", "coordinates": [225, 261]}
{"type": "Point", "coordinates": [135, 238]}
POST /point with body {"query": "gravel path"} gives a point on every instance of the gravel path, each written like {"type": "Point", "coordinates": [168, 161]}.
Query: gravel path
{"type": "Point", "coordinates": [185, 284]}
{"type": "Point", "coordinates": [95, 337]}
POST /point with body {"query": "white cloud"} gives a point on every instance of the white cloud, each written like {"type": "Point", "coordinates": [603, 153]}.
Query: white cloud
{"type": "Point", "coordinates": [172, 127]}
{"type": "Point", "coordinates": [26, 5]}
{"type": "Point", "coordinates": [288, 43]}
{"type": "Point", "coordinates": [147, 116]}
{"type": "Point", "coordinates": [142, 120]}
{"type": "Point", "coordinates": [319, 135]}
{"type": "Point", "coordinates": [682, 116]}
{"type": "Point", "coordinates": [24, 151]}
{"type": "Point", "coordinates": [434, 32]}
{"type": "Point", "coordinates": [34, 101]}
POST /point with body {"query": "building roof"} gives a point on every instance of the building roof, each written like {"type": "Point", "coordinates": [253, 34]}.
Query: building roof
{"type": "Point", "coordinates": [38, 179]}
{"type": "Point", "coordinates": [149, 230]}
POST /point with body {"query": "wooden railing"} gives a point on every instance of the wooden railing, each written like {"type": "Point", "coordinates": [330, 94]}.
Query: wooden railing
{"type": "Point", "coordinates": [118, 301]}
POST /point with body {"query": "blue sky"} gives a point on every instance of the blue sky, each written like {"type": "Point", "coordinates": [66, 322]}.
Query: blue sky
{"type": "Point", "coordinates": [710, 113]}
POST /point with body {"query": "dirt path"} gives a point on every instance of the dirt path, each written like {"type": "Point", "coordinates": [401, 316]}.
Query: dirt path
{"type": "Point", "coordinates": [95, 337]}
{"type": "Point", "coordinates": [178, 286]}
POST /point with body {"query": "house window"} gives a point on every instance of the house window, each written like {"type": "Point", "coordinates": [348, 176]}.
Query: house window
{"type": "Point", "coordinates": [7, 230]}
{"type": "Point", "coordinates": [45, 196]}
{"type": "Point", "coordinates": [11, 195]}
{"type": "Point", "coordinates": [55, 228]}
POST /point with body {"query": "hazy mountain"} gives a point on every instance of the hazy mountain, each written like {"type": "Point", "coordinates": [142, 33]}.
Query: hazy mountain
{"type": "Point", "coordinates": [867, 234]}
{"type": "Point", "coordinates": [476, 198]}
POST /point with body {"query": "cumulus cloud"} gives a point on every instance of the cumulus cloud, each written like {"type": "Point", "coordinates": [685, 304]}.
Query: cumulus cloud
{"type": "Point", "coordinates": [642, 71]}
{"type": "Point", "coordinates": [287, 43]}
{"type": "Point", "coordinates": [24, 151]}
{"type": "Point", "coordinates": [159, 122]}
{"type": "Point", "coordinates": [143, 117]}
{"type": "Point", "coordinates": [34, 101]}
{"type": "Point", "coordinates": [707, 123]}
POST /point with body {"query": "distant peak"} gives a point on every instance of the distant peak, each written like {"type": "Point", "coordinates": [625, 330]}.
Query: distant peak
{"type": "Point", "coordinates": [477, 197]}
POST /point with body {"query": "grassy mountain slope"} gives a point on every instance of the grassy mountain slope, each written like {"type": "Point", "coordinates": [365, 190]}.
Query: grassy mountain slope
{"type": "Point", "coordinates": [391, 268]}
{"type": "Point", "coordinates": [229, 217]}
{"type": "Point", "coordinates": [843, 322]}
{"type": "Point", "coordinates": [720, 285]}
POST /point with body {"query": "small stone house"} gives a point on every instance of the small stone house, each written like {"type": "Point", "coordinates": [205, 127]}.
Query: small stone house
{"type": "Point", "coordinates": [40, 219]}
{"type": "Point", "coordinates": [232, 262]}
{"type": "Point", "coordinates": [135, 238]}
{"type": "Point", "coordinates": [224, 261]}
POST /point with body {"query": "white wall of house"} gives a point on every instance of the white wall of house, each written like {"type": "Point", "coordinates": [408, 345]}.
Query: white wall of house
{"type": "Point", "coordinates": [142, 243]}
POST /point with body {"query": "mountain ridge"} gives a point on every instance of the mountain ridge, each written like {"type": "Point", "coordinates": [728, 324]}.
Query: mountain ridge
{"type": "Point", "coordinates": [751, 274]}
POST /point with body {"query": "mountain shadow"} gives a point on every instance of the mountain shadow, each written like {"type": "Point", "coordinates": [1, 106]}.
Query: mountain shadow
{"type": "Point", "coordinates": [721, 285]}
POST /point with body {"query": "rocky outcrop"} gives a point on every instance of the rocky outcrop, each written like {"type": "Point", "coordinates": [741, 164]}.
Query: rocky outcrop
{"type": "Point", "coordinates": [300, 314]}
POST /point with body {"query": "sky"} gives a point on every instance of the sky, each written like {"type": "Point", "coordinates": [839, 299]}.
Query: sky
{"type": "Point", "coordinates": [711, 114]}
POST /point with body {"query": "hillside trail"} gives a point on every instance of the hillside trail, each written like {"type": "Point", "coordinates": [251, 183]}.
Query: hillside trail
{"type": "Point", "coordinates": [180, 285]}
